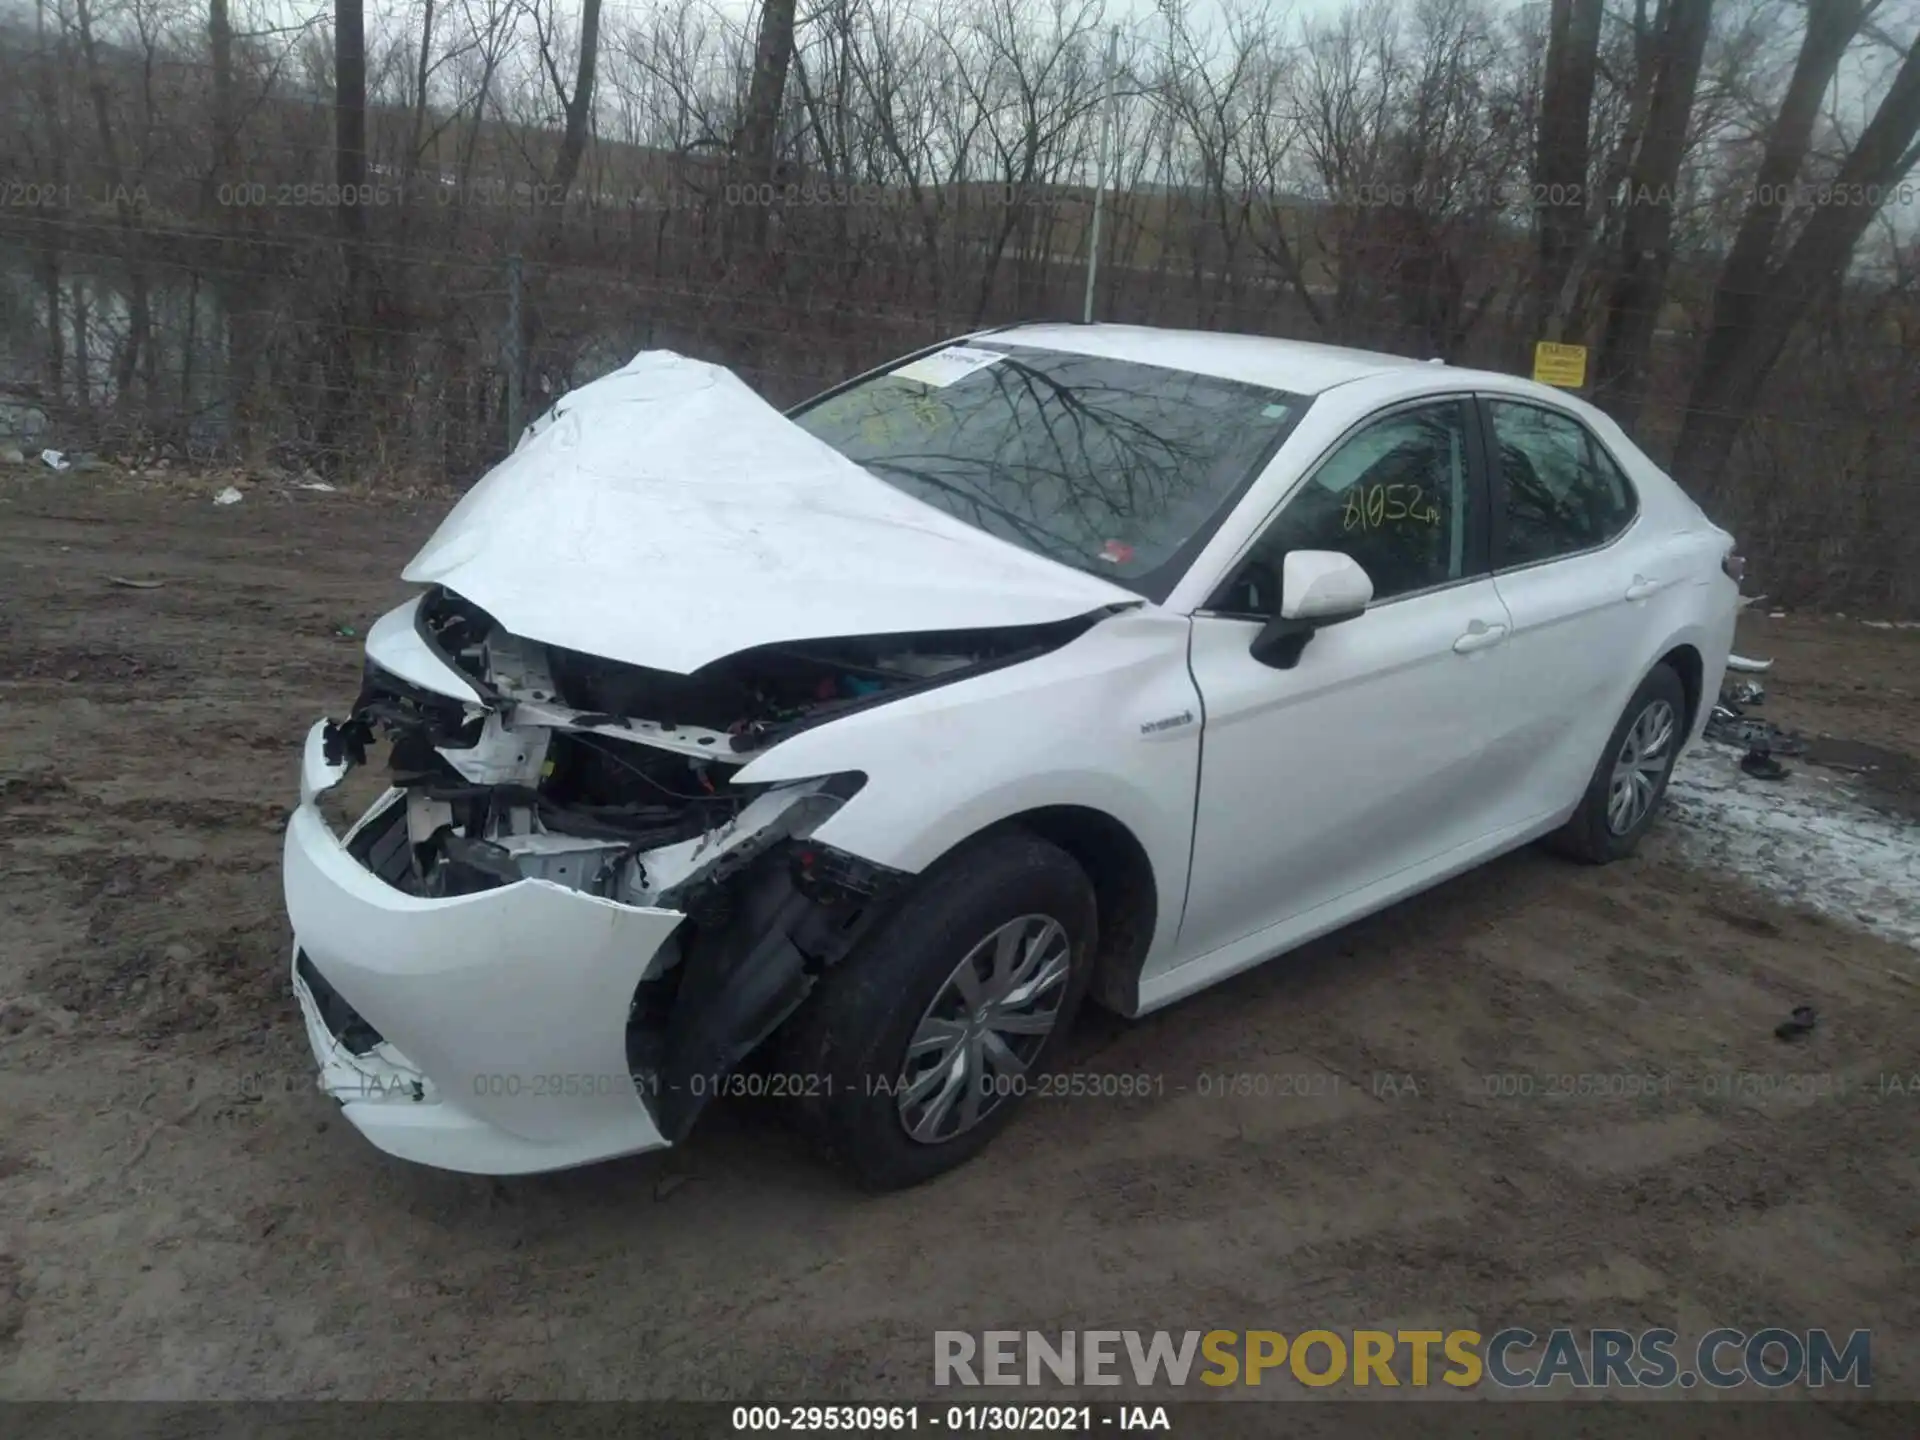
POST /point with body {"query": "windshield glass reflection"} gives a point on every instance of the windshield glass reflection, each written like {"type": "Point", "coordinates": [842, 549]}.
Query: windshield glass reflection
{"type": "Point", "coordinates": [1106, 465]}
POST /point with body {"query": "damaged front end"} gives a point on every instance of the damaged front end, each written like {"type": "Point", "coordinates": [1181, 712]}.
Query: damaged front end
{"type": "Point", "coordinates": [685, 915]}
{"type": "Point", "coordinates": [524, 761]}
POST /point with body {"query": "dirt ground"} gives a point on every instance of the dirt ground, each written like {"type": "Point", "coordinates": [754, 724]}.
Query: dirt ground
{"type": "Point", "coordinates": [183, 1215]}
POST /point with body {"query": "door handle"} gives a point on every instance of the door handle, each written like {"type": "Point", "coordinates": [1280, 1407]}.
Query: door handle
{"type": "Point", "coordinates": [1642, 587]}
{"type": "Point", "coordinates": [1479, 636]}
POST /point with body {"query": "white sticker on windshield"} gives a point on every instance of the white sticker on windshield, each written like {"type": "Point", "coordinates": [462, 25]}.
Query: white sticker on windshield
{"type": "Point", "coordinates": [943, 367]}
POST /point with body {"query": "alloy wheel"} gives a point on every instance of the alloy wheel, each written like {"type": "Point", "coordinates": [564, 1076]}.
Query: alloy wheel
{"type": "Point", "coordinates": [988, 1022]}
{"type": "Point", "coordinates": [1640, 766]}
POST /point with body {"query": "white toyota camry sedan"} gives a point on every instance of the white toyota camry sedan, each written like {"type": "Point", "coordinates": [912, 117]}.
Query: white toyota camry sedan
{"type": "Point", "coordinates": [841, 755]}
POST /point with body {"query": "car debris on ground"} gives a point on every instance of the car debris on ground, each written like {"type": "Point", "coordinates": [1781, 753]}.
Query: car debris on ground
{"type": "Point", "coordinates": [1800, 1023]}
{"type": "Point", "coordinates": [1729, 726]}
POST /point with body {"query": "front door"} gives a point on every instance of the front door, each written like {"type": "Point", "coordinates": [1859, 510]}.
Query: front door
{"type": "Point", "coordinates": [1376, 751]}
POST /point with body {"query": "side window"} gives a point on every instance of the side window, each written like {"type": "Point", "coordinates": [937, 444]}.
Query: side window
{"type": "Point", "coordinates": [1397, 497]}
{"type": "Point", "coordinates": [1564, 493]}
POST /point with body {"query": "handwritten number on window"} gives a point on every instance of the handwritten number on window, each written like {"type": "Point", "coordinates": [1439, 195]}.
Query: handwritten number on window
{"type": "Point", "coordinates": [1373, 507]}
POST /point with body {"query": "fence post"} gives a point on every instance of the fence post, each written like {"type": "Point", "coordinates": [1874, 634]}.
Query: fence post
{"type": "Point", "coordinates": [514, 346]}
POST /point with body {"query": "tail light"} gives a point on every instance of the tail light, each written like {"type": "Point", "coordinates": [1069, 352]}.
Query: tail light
{"type": "Point", "coordinates": [1734, 564]}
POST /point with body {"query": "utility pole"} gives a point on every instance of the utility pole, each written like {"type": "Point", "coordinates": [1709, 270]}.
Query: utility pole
{"type": "Point", "coordinates": [1100, 178]}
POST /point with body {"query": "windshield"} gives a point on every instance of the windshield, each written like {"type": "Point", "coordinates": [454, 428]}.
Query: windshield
{"type": "Point", "coordinates": [1112, 467]}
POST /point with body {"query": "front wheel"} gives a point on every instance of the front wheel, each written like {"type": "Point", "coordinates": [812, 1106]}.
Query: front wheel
{"type": "Point", "coordinates": [1631, 778]}
{"type": "Point", "coordinates": [923, 1041]}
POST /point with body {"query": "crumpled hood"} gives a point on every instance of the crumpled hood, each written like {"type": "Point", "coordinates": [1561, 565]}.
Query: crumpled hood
{"type": "Point", "coordinates": [667, 516]}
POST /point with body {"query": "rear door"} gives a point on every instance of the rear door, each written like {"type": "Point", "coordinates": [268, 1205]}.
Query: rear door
{"type": "Point", "coordinates": [1577, 575]}
{"type": "Point", "coordinates": [1371, 754]}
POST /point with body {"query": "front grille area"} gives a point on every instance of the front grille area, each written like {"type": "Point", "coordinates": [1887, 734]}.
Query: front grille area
{"type": "Point", "coordinates": [343, 1022]}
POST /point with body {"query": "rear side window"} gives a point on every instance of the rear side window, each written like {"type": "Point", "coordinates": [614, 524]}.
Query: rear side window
{"type": "Point", "coordinates": [1562, 492]}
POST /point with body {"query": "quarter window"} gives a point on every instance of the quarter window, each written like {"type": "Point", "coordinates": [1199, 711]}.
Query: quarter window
{"type": "Point", "coordinates": [1563, 492]}
{"type": "Point", "coordinates": [1396, 497]}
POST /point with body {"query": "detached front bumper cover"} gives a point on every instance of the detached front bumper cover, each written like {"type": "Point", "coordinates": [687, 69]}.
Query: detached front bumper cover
{"type": "Point", "coordinates": [533, 1026]}
{"type": "Point", "coordinates": [500, 1013]}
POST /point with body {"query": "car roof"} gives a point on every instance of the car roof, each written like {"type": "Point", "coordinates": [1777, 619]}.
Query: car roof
{"type": "Point", "coordinates": [1297, 366]}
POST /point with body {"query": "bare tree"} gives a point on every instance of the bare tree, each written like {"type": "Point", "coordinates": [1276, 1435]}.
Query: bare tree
{"type": "Point", "coordinates": [125, 206]}
{"type": "Point", "coordinates": [492, 34]}
{"type": "Point", "coordinates": [755, 142]}
{"type": "Point", "coordinates": [1350, 175]}
{"type": "Point", "coordinates": [1036, 86]}
{"type": "Point", "coordinates": [1639, 283]}
{"type": "Point", "coordinates": [1757, 302]}
{"type": "Point", "coordinates": [350, 114]}
{"type": "Point", "coordinates": [576, 102]}
{"type": "Point", "coordinates": [52, 121]}
{"type": "Point", "coordinates": [1562, 169]}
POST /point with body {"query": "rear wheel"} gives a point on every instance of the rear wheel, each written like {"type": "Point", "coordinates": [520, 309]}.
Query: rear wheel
{"type": "Point", "coordinates": [1631, 778]}
{"type": "Point", "coordinates": [922, 1042]}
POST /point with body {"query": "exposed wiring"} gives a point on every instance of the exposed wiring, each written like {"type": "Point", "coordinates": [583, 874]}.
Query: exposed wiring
{"type": "Point", "coordinates": [626, 764]}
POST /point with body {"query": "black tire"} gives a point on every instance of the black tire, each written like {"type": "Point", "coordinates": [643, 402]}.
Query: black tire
{"type": "Point", "coordinates": [851, 1037]}
{"type": "Point", "coordinates": [1589, 837]}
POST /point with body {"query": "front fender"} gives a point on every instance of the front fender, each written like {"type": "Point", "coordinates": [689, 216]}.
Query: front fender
{"type": "Point", "coordinates": [1110, 722]}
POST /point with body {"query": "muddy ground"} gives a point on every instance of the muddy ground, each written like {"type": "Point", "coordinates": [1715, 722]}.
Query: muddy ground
{"type": "Point", "coordinates": [182, 1215]}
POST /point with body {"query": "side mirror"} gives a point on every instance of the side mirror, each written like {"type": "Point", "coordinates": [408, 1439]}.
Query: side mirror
{"type": "Point", "coordinates": [1323, 586]}
{"type": "Point", "coordinates": [1317, 588]}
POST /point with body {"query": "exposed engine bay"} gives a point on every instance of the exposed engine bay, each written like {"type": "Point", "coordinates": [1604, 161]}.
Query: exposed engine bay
{"type": "Point", "coordinates": [618, 782]}
{"type": "Point", "coordinates": [613, 779]}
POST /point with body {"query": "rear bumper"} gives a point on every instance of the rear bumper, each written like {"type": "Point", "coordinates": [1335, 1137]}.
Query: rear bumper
{"type": "Point", "coordinates": [501, 1017]}
{"type": "Point", "coordinates": [1719, 641]}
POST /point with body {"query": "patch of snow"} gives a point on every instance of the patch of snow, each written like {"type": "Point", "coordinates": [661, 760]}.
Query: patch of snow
{"type": "Point", "coordinates": [1804, 840]}
{"type": "Point", "coordinates": [228, 496]}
